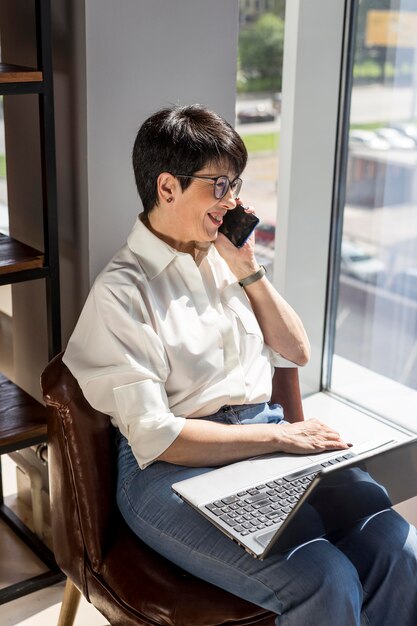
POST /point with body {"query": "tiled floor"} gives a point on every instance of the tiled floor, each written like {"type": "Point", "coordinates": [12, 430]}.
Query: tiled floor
{"type": "Point", "coordinates": [17, 562]}
{"type": "Point", "coordinates": [42, 609]}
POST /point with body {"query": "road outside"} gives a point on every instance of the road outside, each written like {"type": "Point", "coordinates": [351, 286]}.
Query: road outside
{"type": "Point", "coordinates": [374, 103]}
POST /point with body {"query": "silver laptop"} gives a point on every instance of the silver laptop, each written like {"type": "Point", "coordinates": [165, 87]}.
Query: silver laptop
{"type": "Point", "coordinates": [275, 502]}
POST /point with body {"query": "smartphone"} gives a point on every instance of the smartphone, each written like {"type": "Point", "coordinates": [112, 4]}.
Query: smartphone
{"type": "Point", "coordinates": [238, 225]}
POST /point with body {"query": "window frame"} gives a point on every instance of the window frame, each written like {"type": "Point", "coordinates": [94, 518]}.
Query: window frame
{"type": "Point", "coordinates": [311, 122]}
{"type": "Point", "coordinates": [308, 274]}
{"type": "Point", "coordinates": [339, 189]}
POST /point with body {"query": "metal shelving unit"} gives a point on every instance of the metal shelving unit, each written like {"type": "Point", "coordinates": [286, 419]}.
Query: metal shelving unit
{"type": "Point", "coordinates": [23, 421]}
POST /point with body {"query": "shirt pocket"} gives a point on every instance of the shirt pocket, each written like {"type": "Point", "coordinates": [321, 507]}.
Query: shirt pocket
{"type": "Point", "coordinates": [242, 309]}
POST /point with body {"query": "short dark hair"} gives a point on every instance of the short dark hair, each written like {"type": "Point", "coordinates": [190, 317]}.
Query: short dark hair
{"type": "Point", "coordinates": [183, 140]}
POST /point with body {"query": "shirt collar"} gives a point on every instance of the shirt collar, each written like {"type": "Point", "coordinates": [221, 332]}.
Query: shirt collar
{"type": "Point", "coordinates": [155, 254]}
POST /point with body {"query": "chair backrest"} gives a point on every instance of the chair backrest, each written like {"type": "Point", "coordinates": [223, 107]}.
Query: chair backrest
{"type": "Point", "coordinates": [81, 446]}
{"type": "Point", "coordinates": [129, 583]}
{"type": "Point", "coordinates": [83, 469]}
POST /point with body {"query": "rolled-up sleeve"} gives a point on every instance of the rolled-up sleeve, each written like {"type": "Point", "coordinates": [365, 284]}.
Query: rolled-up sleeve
{"type": "Point", "coordinates": [121, 366]}
{"type": "Point", "coordinates": [143, 409]}
{"type": "Point", "coordinates": [279, 361]}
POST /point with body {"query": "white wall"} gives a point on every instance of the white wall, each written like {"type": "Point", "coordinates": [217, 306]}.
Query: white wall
{"type": "Point", "coordinates": [141, 56]}
{"type": "Point", "coordinates": [115, 62]}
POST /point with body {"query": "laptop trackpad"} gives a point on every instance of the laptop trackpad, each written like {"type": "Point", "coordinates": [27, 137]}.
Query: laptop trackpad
{"type": "Point", "coordinates": [266, 537]}
{"type": "Point", "coordinates": [303, 524]}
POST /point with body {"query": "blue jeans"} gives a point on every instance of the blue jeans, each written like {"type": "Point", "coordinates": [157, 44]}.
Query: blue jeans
{"type": "Point", "coordinates": [368, 577]}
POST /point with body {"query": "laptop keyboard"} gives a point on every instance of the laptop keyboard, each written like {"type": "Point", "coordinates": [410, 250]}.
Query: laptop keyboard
{"type": "Point", "coordinates": [267, 504]}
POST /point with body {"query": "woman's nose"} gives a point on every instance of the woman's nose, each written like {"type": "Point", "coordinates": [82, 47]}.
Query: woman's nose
{"type": "Point", "coordinates": [229, 200]}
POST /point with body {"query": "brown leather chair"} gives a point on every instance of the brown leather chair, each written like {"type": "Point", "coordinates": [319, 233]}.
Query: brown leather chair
{"type": "Point", "coordinates": [124, 579]}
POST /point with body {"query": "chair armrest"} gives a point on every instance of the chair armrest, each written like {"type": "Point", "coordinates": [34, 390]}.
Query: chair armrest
{"type": "Point", "coordinates": [286, 392]}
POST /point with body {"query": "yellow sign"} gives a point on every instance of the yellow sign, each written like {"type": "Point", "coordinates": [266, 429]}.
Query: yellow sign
{"type": "Point", "coordinates": [397, 29]}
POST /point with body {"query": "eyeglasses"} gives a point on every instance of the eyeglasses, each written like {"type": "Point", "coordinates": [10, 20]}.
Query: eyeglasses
{"type": "Point", "coordinates": [221, 184]}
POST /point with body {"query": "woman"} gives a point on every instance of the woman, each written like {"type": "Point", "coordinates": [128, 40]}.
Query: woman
{"type": "Point", "coordinates": [177, 342]}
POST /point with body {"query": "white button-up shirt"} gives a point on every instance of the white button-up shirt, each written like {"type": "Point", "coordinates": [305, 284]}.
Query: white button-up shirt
{"type": "Point", "coordinates": [163, 338]}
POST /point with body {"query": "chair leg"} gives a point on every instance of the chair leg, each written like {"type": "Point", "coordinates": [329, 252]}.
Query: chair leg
{"type": "Point", "coordinates": [69, 605]}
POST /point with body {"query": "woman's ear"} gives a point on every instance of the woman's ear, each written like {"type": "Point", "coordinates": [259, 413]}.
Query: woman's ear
{"type": "Point", "coordinates": [167, 186]}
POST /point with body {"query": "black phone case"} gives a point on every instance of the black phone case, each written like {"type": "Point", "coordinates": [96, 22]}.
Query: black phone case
{"type": "Point", "coordinates": [238, 225]}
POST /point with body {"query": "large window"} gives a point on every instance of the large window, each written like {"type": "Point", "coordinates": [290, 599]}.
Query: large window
{"type": "Point", "coordinates": [258, 112]}
{"type": "Point", "coordinates": [374, 296]}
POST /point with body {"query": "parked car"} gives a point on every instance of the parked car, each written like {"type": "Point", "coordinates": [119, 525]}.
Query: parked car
{"type": "Point", "coordinates": [265, 235]}
{"type": "Point", "coordinates": [256, 113]}
{"type": "Point", "coordinates": [367, 139]}
{"type": "Point", "coordinates": [396, 139]}
{"type": "Point", "coordinates": [405, 283]}
{"type": "Point", "coordinates": [358, 263]}
{"type": "Point", "coordinates": [407, 129]}
{"type": "Point", "coordinates": [277, 102]}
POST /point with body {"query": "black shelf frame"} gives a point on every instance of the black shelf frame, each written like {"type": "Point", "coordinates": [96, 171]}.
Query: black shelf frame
{"type": "Point", "coordinates": [49, 272]}
{"type": "Point", "coordinates": [44, 90]}
{"type": "Point", "coordinates": [12, 89]}
{"type": "Point", "coordinates": [49, 185]}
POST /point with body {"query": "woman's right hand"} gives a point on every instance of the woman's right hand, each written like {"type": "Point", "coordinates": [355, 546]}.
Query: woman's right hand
{"type": "Point", "coordinates": [308, 437]}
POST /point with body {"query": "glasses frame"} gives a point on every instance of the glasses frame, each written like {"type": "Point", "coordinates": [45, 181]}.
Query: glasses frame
{"type": "Point", "coordinates": [237, 182]}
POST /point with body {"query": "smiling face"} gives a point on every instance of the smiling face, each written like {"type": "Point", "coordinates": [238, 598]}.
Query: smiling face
{"type": "Point", "coordinates": [198, 213]}
{"type": "Point", "coordinates": [190, 216]}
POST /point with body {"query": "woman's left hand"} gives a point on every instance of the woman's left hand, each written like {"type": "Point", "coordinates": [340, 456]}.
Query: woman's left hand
{"type": "Point", "coordinates": [282, 329]}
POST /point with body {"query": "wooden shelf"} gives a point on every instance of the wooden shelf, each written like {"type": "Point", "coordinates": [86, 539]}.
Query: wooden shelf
{"type": "Point", "coordinates": [23, 419]}
{"type": "Point", "coordinates": [16, 256]}
{"type": "Point", "coordinates": [19, 74]}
